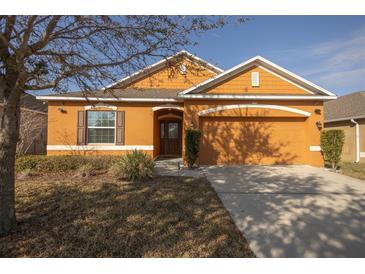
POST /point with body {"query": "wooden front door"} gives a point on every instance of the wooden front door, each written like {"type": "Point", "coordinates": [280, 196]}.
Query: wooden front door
{"type": "Point", "coordinates": [170, 136]}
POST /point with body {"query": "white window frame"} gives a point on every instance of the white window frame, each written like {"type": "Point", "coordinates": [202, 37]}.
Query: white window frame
{"type": "Point", "coordinates": [115, 128]}
{"type": "Point", "coordinates": [255, 79]}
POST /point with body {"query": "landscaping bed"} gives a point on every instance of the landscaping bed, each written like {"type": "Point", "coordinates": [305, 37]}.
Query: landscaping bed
{"type": "Point", "coordinates": [64, 215]}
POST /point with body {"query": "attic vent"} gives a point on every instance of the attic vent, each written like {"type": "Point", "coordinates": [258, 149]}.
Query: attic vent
{"type": "Point", "coordinates": [183, 69]}
{"type": "Point", "coordinates": [255, 77]}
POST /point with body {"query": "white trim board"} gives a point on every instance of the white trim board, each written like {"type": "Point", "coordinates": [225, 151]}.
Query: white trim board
{"type": "Point", "coordinates": [91, 107]}
{"type": "Point", "coordinates": [208, 65]}
{"type": "Point", "coordinates": [98, 147]}
{"type": "Point", "coordinates": [276, 107]}
{"type": "Point", "coordinates": [61, 98]}
{"type": "Point", "coordinates": [362, 154]}
{"type": "Point", "coordinates": [257, 60]}
{"type": "Point", "coordinates": [168, 106]}
{"type": "Point", "coordinates": [255, 97]}
{"type": "Point", "coordinates": [315, 148]}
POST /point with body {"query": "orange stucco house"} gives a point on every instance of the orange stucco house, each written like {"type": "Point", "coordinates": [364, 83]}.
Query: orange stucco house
{"type": "Point", "coordinates": [254, 113]}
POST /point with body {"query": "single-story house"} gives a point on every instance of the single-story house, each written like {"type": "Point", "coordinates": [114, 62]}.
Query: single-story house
{"type": "Point", "coordinates": [254, 113]}
{"type": "Point", "coordinates": [348, 114]}
{"type": "Point", "coordinates": [33, 125]}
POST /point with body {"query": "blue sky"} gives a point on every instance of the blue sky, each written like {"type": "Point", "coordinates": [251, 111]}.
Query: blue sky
{"type": "Point", "coordinates": [327, 50]}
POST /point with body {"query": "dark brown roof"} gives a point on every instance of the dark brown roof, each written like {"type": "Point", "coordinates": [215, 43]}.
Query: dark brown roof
{"type": "Point", "coordinates": [30, 102]}
{"type": "Point", "coordinates": [125, 93]}
{"type": "Point", "coordinates": [345, 107]}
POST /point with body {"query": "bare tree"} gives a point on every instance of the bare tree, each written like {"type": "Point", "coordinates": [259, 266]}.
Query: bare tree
{"type": "Point", "coordinates": [52, 52]}
{"type": "Point", "coordinates": [32, 125]}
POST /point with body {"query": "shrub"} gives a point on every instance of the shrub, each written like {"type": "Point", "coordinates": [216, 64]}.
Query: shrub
{"type": "Point", "coordinates": [42, 163]}
{"type": "Point", "coordinates": [134, 166]}
{"type": "Point", "coordinates": [331, 143]}
{"type": "Point", "coordinates": [192, 142]}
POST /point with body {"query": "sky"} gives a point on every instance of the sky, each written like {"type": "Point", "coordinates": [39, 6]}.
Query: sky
{"type": "Point", "coordinates": [326, 50]}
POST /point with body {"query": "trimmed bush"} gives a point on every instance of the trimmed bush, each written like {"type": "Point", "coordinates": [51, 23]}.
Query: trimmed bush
{"type": "Point", "coordinates": [42, 163]}
{"type": "Point", "coordinates": [134, 166]}
{"type": "Point", "coordinates": [332, 143]}
{"type": "Point", "coordinates": [192, 142]}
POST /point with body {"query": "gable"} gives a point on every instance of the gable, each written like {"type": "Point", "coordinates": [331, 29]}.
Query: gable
{"type": "Point", "coordinates": [275, 81]}
{"type": "Point", "coordinates": [269, 83]}
{"type": "Point", "coordinates": [170, 76]}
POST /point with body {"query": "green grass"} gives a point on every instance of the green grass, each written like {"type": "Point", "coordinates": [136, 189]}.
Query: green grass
{"type": "Point", "coordinates": [356, 170]}
{"type": "Point", "coordinates": [64, 216]}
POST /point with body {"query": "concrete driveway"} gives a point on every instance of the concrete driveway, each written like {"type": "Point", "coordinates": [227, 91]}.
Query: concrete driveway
{"type": "Point", "coordinates": [294, 211]}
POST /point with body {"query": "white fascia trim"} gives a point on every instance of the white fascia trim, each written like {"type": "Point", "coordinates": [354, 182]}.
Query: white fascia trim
{"type": "Point", "coordinates": [61, 98]}
{"type": "Point", "coordinates": [228, 73]}
{"type": "Point", "coordinates": [98, 147]}
{"type": "Point", "coordinates": [315, 148]}
{"type": "Point", "coordinates": [167, 106]}
{"type": "Point", "coordinates": [276, 107]}
{"type": "Point", "coordinates": [255, 97]}
{"type": "Point", "coordinates": [214, 69]}
{"type": "Point", "coordinates": [100, 106]}
{"type": "Point", "coordinates": [344, 119]}
{"type": "Point", "coordinates": [362, 154]}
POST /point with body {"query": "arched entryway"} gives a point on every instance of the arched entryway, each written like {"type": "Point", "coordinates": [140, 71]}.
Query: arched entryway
{"type": "Point", "coordinates": [168, 132]}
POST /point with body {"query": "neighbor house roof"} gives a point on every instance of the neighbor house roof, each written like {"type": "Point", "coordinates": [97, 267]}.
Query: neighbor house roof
{"type": "Point", "coordinates": [162, 63]}
{"type": "Point", "coordinates": [28, 101]}
{"type": "Point", "coordinates": [346, 107]}
{"type": "Point", "coordinates": [265, 64]}
{"type": "Point", "coordinates": [129, 94]}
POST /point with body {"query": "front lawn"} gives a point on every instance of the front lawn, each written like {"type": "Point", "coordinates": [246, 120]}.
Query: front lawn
{"type": "Point", "coordinates": [64, 216]}
{"type": "Point", "coordinates": [356, 170]}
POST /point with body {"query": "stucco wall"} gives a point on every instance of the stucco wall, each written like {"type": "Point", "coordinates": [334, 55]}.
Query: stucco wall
{"type": "Point", "coordinates": [62, 126]}
{"type": "Point", "coordinates": [349, 148]}
{"type": "Point", "coordinates": [304, 128]}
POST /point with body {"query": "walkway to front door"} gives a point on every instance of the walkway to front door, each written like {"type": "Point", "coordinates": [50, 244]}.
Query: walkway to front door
{"type": "Point", "coordinates": [170, 138]}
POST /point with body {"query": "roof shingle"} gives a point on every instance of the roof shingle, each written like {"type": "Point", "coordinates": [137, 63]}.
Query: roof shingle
{"type": "Point", "coordinates": [345, 107]}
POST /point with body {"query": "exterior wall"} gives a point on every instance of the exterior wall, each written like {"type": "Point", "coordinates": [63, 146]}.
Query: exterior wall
{"type": "Point", "coordinates": [139, 128]}
{"type": "Point", "coordinates": [309, 134]}
{"type": "Point", "coordinates": [269, 84]}
{"type": "Point", "coordinates": [349, 147]}
{"type": "Point", "coordinates": [171, 78]}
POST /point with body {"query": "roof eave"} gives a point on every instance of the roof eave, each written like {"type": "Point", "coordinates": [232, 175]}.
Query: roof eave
{"type": "Point", "coordinates": [254, 97]}
{"type": "Point", "coordinates": [99, 99]}
{"type": "Point", "coordinates": [344, 119]}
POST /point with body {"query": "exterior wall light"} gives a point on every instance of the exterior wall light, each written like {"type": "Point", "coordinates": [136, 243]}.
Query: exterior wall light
{"type": "Point", "coordinates": [319, 125]}
{"type": "Point", "coordinates": [317, 111]}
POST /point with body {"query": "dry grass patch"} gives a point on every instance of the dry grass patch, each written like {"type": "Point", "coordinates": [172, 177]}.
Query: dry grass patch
{"type": "Point", "coordinates": [100, 217]}
{"type": "Point", "coordinates": [356, 170]}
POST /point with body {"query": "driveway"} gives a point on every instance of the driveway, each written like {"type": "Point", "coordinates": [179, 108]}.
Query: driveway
{"type": "Point", "coordinates": [294, 211]}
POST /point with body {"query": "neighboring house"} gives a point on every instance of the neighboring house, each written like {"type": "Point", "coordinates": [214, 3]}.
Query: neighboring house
{"type": "Point", "coordinates": [348, 113]}
{"type": "Point", "coordinates": [33, 125]}
{"type": "Point", "coordinates": [253, 113]}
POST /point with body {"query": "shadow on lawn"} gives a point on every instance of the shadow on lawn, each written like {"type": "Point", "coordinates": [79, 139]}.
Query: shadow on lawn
{"type": "Point", "coordinates": [167, 217]}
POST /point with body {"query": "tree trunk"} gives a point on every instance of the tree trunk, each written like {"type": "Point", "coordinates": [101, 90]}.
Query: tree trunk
{"type": "Point", "coordinates": [9, 133]}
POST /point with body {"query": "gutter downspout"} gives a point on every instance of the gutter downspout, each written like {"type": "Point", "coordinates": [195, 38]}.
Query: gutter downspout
{"type": "Point", "coordinates": [357, 129]}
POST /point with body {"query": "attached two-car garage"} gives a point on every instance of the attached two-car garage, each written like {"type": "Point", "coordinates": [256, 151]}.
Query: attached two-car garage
{"type": "Point", "coordinates": [237, 140]}
{"type": "Point", "coordinates": [249, 135]}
